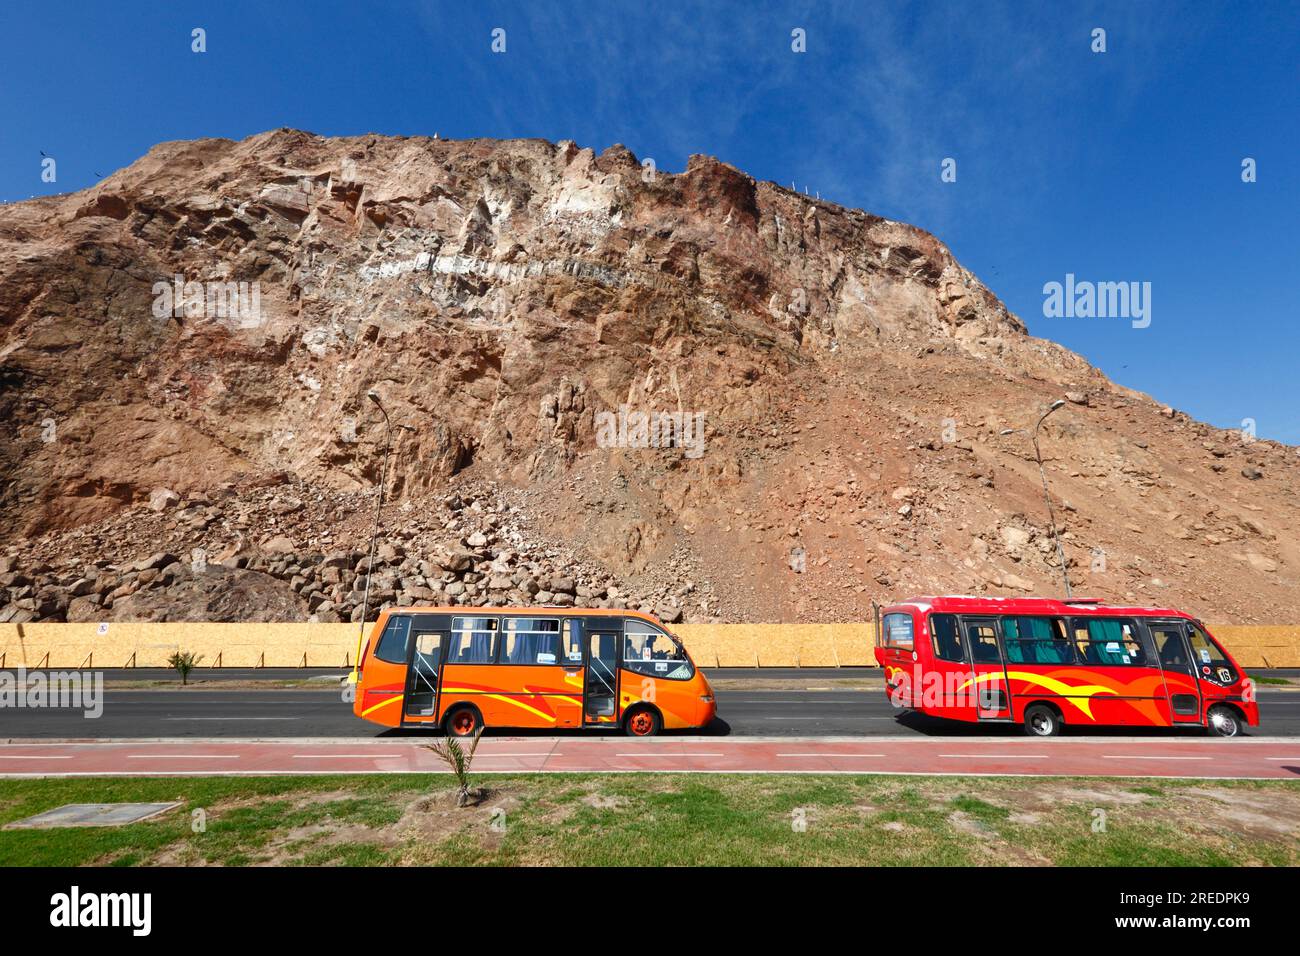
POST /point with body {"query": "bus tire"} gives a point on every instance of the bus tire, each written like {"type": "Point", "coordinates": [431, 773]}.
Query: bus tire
{"type": "Point", "coordinates": [1042, 721]}
{"type": "Point", "coordinates": [463, 720]}
{"type": "Point", "coordinates": [1223, 721]}
{"type": "Point", "coordinates": [642, 722]}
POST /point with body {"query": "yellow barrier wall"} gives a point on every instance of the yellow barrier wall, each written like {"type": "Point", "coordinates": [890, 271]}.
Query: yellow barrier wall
{"type": "Point", "coordinates": [779, 645]}
{"type": "Point", "coordinates": [1260, 646]}
{"type": "Point", "coordinates": [149, 645]}
{"type": "Point", "coordinates": [334, 645]}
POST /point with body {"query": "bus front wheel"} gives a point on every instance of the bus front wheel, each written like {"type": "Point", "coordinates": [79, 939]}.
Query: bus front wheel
{"type": "Point", "coordinates": [1223, 721]}
{"type": "Point", "coordinates": [1042, 721]}
{"type": "Point", "coordinates": [642, 722]}
{"type": "Point", "coordinates": [462, 722]}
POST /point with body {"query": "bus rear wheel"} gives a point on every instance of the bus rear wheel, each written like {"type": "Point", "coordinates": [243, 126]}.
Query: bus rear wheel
{"type": "Point", "coordinates": [462, 722]}
{"type": "Point", "coordinates": [1042, 721]}
{"type": "Point", "coordinates": [1223, 721]}
{"type": "Point", "coordinates": [642, 722]}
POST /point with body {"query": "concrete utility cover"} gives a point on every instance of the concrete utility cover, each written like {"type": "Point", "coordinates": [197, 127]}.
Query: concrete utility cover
{"type": "Point", "coordinates": [92, 815]}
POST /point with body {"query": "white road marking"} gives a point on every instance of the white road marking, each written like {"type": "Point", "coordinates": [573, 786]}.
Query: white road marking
{"type": "Point", "coordinates": [349, 756]}
{"type": "Point", "coordinates": [546, 754]}
{"type": "Point", "coordinates": [1282, 758]}
{"type": "Point", "coordinates": [28, 757]}
{"type": "Point", "coordinates": [830, 755]}
{"type": "Point", "coordinates": [1146, 757]}
{"type": "Point", "coordinates": [182, 756]}
{"type": "Point", "coordinates": [670, 755]}
{"type": "Point", "coordinates": [995, 756]}
{"type": "Point", "coordinates": [232, 718]}
{"type": "Point", "coordinates": [764, 700]}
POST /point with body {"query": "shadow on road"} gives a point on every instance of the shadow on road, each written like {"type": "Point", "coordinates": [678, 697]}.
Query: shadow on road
{"type": "Point", "coordinates": [719, 728]}
{"type": "Point", "coordinates": [939, 727]}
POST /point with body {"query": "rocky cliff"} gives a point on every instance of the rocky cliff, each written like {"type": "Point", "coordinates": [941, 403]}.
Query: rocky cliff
{"type": "Point", "coordinates": [186, 351]}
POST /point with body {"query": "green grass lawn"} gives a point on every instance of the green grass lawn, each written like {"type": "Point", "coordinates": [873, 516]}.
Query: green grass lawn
{"type": "Point", "coordinates": [667, 819]}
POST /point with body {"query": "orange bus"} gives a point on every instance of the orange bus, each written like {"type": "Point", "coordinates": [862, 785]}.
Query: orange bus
{"type": "Point", "coordinates": [466, 668]}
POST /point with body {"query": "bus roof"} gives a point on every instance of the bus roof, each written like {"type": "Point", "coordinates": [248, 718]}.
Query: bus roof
{"type": "Point", "coordinates": [548, 610]}
{"type": "Point", "coordinates": [975, 604]}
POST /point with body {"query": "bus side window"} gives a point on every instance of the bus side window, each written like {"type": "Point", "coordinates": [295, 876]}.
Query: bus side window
{"type": "Point", "coordinates": [946, 639]}
{"type": "Point", "coordinates": [572, 642]}
{"type": "Point", "coordinates": [473, 640]}
{"type": "Point", "coordinates": [392, 643]}
{"type": "Point", "coordinates": [898, 631]}
{"type": "Point", "coordinates": [1170, 649]}
{"type": "Point", "coordinates": [530, 640]}
{"type": "Point", "coordinates": [1109, 641]}
{"type": "Point", "coordinates": [1036, 640]}
{"type": "Point", "coordinates": [984, 644]}
{"type": "Point", "coordinates": [1015, 647]}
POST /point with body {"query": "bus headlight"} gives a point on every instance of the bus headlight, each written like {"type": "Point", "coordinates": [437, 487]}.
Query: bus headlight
{"type": "Point", "coordinates": [707, 698]}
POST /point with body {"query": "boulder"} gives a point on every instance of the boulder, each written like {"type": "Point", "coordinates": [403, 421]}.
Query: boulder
{"type": "Point", "coordinates": [160, 499]}
{"type": "Point", "coordinates": [277, 545]}
{"type": "Point", "coordinates": [669, 614]}
{"type": "Point", "coordinates": [154, 562]}
{"type": "Point", "coordinates": [82, 587]}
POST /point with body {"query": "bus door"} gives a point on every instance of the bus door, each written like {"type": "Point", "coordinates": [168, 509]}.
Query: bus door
{"type": "Point", "coordinates": [427, 649]}
{"type": "Point", "coordinates": [569, 708]}
{"type": "Point", "coordinates": [600, 689]}
{"type": "Point", "coordinates": [992, 700]}
{"type": "Point", "coordinates": [1178, 669]}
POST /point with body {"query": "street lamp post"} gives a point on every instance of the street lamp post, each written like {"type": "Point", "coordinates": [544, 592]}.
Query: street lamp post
{"type": "Point", "coordinates": [374, 537]}
{"type": "Point", "coordinates": [1047, 496]}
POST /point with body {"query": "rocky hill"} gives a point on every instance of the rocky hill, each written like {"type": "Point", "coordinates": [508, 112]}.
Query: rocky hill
{"type": "Point", "coordinates": [186, 351]}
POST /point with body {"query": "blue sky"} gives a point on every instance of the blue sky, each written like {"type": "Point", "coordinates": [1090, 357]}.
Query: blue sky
{"type": "Point", "coordinates": [1115, 166]}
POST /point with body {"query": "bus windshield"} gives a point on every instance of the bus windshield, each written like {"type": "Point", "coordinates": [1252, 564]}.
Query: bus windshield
{"type": "Point", "coordinates": [648, 650]}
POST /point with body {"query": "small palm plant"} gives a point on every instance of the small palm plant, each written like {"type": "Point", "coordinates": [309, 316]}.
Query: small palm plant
{"type": "Point", "coordinates": [458, 759]}
{"type": "Point", "coordinates": [184, 662]}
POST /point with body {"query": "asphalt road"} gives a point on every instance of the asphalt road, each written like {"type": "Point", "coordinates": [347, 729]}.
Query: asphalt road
{"type": "Point", "coordinates": [263, 713]}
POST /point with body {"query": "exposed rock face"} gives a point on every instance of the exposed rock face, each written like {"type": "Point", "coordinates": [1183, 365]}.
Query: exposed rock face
{"type": "Point", "coordinates": [472, 549]}
{"type": "Point", "coordinates": [502, 298]}
{"type": "Point", "coordinates": [215, 593]}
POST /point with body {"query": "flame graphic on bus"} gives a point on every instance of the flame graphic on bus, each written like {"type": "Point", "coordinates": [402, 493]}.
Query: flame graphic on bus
{"type": "Point", "coordinates": [1060, 688]}
{"type": "Point", "coordinates": [541, 696]}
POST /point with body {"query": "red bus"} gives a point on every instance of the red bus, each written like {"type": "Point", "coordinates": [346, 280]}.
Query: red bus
{"type": "Point", "coordinates": [1045, 664]}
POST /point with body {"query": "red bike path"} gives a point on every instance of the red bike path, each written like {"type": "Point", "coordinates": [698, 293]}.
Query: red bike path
{"type": "Point", "coordinates": [1250, 757]}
